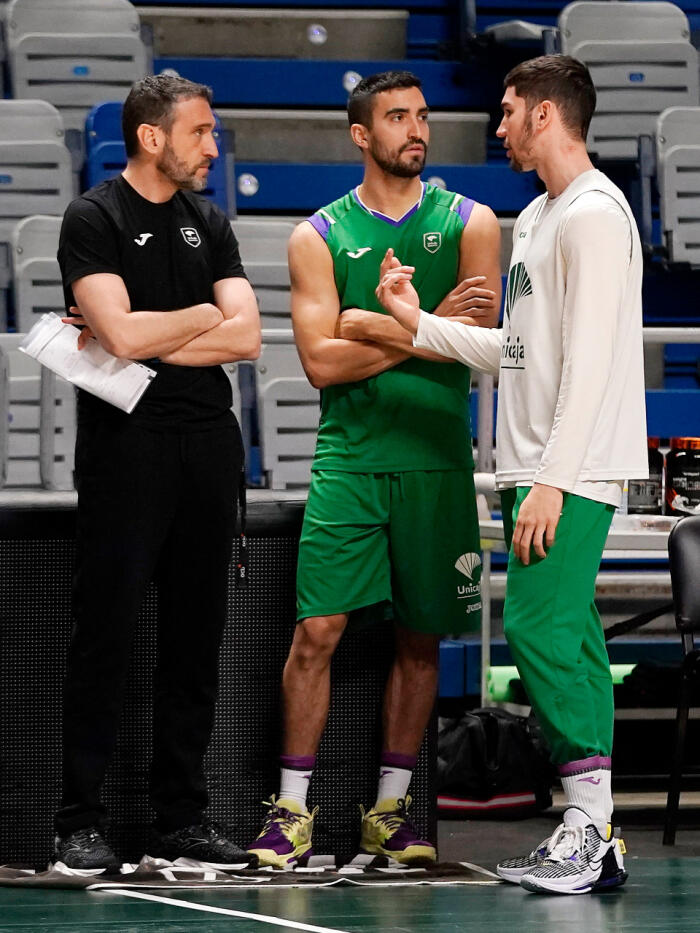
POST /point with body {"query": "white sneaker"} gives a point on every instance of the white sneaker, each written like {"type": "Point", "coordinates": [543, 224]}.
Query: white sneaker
{"type": "Point", "coordinates": [578, 860]}
{"type": "Point", "coordinates": [513, 869]}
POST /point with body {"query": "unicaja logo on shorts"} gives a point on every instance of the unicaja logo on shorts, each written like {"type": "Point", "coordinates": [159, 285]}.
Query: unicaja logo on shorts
{"type": "Point", "coordinates": [432, 241]}
{"type": "Point", "coordinates": [468, 564]}
{"type": "Point", "coordinates": [190, 235]}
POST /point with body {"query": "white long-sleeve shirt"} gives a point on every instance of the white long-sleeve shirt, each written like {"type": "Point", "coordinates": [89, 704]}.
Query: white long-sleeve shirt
{"type": "Point", "coordinates": [571, 410]}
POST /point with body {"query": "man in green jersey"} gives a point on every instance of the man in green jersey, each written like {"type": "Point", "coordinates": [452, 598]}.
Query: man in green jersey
{"type": "Point", "coordinates": [393, 464]}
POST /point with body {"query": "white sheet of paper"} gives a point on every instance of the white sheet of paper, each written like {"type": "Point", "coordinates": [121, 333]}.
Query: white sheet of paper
{"type": "Point", "coordinates": [55, 345]}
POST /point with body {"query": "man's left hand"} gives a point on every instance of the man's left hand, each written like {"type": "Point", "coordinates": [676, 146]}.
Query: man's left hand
{"type": "Point", "coordinates": [538, 518]}
{"type": "Point", "coordinates": [77, 320]}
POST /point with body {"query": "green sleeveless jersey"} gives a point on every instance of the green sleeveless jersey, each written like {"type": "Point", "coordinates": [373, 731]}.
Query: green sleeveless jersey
{"type": "Point", "coordinates": [416, 415]}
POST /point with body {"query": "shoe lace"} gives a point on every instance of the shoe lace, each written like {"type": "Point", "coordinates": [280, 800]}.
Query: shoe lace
{"type": "Point", "coordinates": [544, 846]}
{"type": "Point", "coordinates": [565, 841]}
{"type": "Point", "coordinates": [86, 837]}
{"type": "Point", "coordinates": [395, 819]}
{"type": "Point", "coordinates": [214, 830]}
{"type": "Point", "coordinates": [279, 815]}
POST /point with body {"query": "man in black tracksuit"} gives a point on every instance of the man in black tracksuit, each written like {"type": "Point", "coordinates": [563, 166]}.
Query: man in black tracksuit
{"type": "Point", "coordinates": [152, 271]}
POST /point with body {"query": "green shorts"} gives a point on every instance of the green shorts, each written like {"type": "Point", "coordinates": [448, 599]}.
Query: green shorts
{"type": "Point", "coordinates": [408, 538]}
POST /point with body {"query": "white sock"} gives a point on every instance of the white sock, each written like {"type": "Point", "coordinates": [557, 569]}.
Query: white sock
{"type": "Point", "coordinates": [590, 791]}
{"type": "Point", "coordinates": [393, 783]}
{"type": "Point", "coordinates": [294, 785]}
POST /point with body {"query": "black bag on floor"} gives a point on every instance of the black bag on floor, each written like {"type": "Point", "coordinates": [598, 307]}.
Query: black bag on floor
{"type": "Point", "coordinates": [492, 765]}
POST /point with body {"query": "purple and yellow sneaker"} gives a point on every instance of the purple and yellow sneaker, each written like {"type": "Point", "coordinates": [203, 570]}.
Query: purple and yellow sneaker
{"type": "Point", "coordinates": [387, 830]}
{"type": "Point", "coordinates": [285, 839]}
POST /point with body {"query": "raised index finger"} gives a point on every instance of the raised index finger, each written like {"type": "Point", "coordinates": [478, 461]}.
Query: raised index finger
{"type": "Point", "coordinates": [388, 262]}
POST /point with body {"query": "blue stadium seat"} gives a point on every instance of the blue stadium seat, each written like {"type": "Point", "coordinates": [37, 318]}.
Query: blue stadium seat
{"type": "Point", "coordinates": [261, 82]}
{"type": "Point", "coordinates": [681, 366]}
{"type": "Point", "coordinates": [295, 187]}
{"type": "Point", "coordinates": [670, 412]}
{"type": "Point", "coordinates": [106, 155]}
{"type": "Point", "coordinates": [452, 663]}
{"type": "Point", "coordinates": [673, 412]}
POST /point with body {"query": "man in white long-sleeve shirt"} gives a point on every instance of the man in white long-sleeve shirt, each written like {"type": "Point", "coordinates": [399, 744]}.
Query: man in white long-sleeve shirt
{"type": "Point", "coordinates": [571, 426]}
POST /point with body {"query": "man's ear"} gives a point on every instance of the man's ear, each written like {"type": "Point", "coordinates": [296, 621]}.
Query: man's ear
{"type": "Point", "coordinates": [543, 114]}
{"type": "Point", "coordinates": [359, 135]}
{"type": "Point", "coordinates": [150, 138]}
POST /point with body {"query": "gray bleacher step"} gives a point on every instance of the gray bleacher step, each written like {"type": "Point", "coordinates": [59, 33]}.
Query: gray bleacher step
{"type": "Point", "coordinates": [257, 33]}
{"type": "Point", "coordinates": [506, 224]}
{"type": "Point", "coordinates": [322, 136]}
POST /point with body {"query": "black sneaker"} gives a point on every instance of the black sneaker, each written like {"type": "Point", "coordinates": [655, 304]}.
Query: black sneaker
{"type": "Point", "coordinates": [206, 842]}
{"type": "Point", "coordinates": [85, 849]}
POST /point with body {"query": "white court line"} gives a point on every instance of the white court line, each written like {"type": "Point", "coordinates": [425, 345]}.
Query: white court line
{"type": "Point", "coordinates": [278, 921]}
{"type": "Point", "coordinates": [484, 871]}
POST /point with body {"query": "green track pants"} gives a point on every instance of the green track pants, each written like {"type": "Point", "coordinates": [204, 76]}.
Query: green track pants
{"type": "Point", "coordinates": [554, 631]}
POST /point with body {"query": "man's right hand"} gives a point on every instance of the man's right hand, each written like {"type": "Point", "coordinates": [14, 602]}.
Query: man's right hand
{"type": "Point", "coordinates": [396, 293]}
{"type": "Point", "coordinates": [468, 297]}
{"type": "Point", "coordinates": [213, 315]}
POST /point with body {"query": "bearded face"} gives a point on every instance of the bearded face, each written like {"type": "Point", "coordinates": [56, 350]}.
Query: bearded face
{"type": "Point", "coordinates": [405, 161]}
{"type": "Point", "coordinates": [189, 175]}
{"type": "Point", "coordinates": [521, 145]}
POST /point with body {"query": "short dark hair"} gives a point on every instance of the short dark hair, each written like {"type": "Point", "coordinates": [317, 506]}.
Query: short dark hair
{"type": "Point", "coordinates": [151, 100]}
{"type": "Point", "coordinates": [361, 101]}
{"type": "Point", "coordinates": [562, 79]}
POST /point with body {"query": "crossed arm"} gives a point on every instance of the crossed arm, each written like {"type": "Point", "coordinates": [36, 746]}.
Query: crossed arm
{"type": "Point", "coordinates": [476, 299]}
{"type": "Point", "coordinates": [202, 335]}
{"type": "Point", "coordinates": [327, 359]}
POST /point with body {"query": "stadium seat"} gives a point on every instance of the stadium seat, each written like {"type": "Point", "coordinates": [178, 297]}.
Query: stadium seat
{"type": "Point", "coordinates": [678, 178]}
{"type": "Point", "coordinates": [263, 246]}
{"type": "Point", "coordinates": [74, 54]}
{"type": "Point", "coordinates": [506, 225]}
{"type": "Point", "coordinates": [36, 277]}
{"type": "Point", "coordinates": [280, 33]}
{"type": "Point", "coordinates": [288, 412]}
{"type": "Point", "coordinates": [105, 155]}
{"type": "Point", "coordinates": [272, 135]}
{"type": "Point", "coordinates": [35, 170]}
{"type": "Point", "coordinates": [232, 372]}
{"type": "Point", "coordinates": [641, 61]}
{"type": "Point", "coordinates": [40, 412]}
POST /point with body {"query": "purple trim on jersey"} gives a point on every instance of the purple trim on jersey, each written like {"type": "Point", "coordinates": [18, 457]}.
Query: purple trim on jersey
{"type": "Point", "coordinates": [464, 209]}
{"type": "Point", "coordinates": [585, 764]}
{"type": "Point", "coordinates": [397, 760]}
{"type": "Point", "coordinates": [298, 762]}
{"type": "Point", "coordinates": [320, 224]}
{"type": "Point", "coordinates": [390, 220]}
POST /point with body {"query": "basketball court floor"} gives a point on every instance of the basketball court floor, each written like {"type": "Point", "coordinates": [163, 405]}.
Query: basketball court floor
{"type": "Point", "coordinates": [662, 894]}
